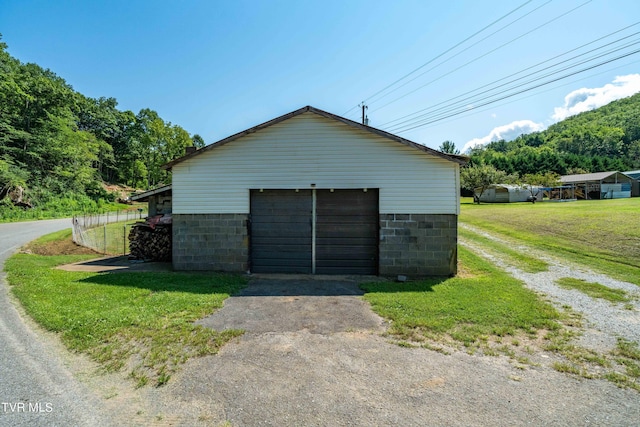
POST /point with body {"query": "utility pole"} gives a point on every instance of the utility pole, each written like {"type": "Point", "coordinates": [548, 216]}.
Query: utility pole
{"type": "Point", "coordinates": [365, 119]}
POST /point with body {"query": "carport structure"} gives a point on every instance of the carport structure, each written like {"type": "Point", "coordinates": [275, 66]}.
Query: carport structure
{"type": "Point", "coordinates": [600, 185]}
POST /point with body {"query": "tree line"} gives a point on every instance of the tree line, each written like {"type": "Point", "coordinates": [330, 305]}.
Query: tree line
{"type": "Point", "coordinates": [56, 143]}
{"type": "Point", "coordinates": [601, 140]}
{"type": "Point", "coordinates": [604, 139]}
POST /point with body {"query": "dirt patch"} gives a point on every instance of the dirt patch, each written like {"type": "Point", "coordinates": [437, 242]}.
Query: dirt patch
{"type": "Point", "coordinates": [464, 272]}
{"type": "Point", "coordinates": [64, 247]}
{"type": "Point", "coordinates": [103, 264]}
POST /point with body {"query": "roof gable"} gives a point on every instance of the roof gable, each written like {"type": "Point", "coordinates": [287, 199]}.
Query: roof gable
{"type": "Point", "coordinates": [451, 157]}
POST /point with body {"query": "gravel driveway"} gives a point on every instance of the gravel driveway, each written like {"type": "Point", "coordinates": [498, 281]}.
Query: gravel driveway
{"type": "Point", "coordinates": [605, 321]}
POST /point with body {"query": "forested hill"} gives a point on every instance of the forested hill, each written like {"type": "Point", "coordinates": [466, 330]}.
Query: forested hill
{"type": "Point", "coordinates": [604, 139]}
{"type": "Point", "coordinates": [57, 144]}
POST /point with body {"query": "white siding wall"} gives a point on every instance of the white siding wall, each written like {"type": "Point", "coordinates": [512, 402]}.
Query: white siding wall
{"type": "Point", "coordinates": [311, 149]}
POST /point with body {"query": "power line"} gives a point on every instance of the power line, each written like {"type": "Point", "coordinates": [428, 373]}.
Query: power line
{"type": "Point", "coordinates": [453, 103]}
{"type": "Point", "coordinates": [443, 53]}
{"type": "Point", "coordinates": [430, 121]}
{"type": "Point", "coordinates": [483, 55]}
{"type": "Point", "coordinates": [456, 105]}
{"type": "Point", "coordinates": [458, 54]}
{"type": "Point", "coordinates": [526, 69]}
{"type": "Point", "coordinates": [474, 112]}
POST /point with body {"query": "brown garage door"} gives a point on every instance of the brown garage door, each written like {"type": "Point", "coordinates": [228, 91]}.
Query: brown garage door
{"type": "Point", "coordinates": [281, 231]}
{"type": "Point", "coordinates": [347, 232]}
{"type": "Point", "coordinates": [345, 239]}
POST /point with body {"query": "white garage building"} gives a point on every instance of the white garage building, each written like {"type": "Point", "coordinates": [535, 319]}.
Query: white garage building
{"type": "Point", "coordinates": [312, 192]}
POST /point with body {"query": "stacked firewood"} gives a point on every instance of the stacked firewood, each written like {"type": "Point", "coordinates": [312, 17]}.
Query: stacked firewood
{"type": "Point", "coordinates": [150, 243]}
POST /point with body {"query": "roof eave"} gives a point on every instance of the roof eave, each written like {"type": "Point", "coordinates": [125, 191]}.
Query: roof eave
{"type": "Point", "coordinates": [149, 193]}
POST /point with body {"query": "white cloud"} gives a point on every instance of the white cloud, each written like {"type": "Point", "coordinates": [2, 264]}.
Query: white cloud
{"type": "Point", "coordinates": [586, 99]}
{"type": "Point", "coordinates": [506, 132]}
{"type": "Point", "coordinates": [578, 101]}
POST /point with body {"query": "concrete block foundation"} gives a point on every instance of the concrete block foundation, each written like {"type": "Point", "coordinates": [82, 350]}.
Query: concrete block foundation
{"type": "Point", "coordinates": [217, 242]}
{"type": "Point", "coordinates": [418, 245]}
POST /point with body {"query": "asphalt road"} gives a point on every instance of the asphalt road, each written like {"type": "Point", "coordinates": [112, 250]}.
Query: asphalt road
{"type": "Point", "coordinates": [35, 387]}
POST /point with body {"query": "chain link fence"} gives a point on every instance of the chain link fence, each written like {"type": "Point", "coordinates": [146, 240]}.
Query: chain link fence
{"type": "Point", "coordinates": [106, 233]}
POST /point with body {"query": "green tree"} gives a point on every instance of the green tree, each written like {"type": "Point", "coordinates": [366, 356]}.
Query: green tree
{"type": "Point", "coordinates": [449, 148]}
{"type": "Point", "coordinates": [198, 141]}
{"type": "Point", "coordinates": [477, 178]}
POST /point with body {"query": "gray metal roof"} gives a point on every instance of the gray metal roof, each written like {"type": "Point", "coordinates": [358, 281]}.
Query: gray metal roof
{"type": "Point", "coordinates": [141, 197]}
{"type": "Point", "coordinates": [584, 177]}
{"type": "Point", "coordinates": [460, 159]}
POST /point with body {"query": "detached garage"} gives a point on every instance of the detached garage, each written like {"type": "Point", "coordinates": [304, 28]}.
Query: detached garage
{"type": "Point", "coordinates": [311, 192]}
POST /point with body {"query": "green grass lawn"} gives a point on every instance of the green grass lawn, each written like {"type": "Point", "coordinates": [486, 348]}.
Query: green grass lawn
{"type": "Point", "coordinates": [594, 290]}
{"type": "Point", "coordinates": [601, 234]}
{"type": "Point", "coordinates": [484, 302]}
{"type": "Point", "coordinates": [142, 322]}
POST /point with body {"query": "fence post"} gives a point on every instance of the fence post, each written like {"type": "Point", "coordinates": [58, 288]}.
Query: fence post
{"type": "Point", "coordinates": [105, 238]}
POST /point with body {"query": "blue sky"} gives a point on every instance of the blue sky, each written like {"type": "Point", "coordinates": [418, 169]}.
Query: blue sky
{"type": "Point", "coordinates": [218, 67]}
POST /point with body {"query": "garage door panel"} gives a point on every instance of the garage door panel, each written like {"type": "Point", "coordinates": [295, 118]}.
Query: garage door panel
{"type": "Point", "coordinates": [354, 231]}
{"type": "Point", "coordinates": [283, 218]}
{"type": "Point", "coordinates": [286, 250]}
{"type": "Point", "coordinates": [347, 241]}
{"type": "Point", "coordinates": [281, 231]}
{"type": "Point", "coordinates": [347, 232]}
{"type": "Point", "coordinates": [345, 253]}
{"type": "Point", "coordinates": [338, 220]}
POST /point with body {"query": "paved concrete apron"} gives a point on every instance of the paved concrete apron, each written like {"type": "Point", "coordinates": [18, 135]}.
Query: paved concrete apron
{"type": "Point", "coordinates": [35, 388]}
{"type": "Point", "coordinates": [316, 305]}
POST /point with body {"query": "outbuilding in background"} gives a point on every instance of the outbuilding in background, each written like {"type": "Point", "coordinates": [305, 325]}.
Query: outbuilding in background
{"type": "Point", "coordinates": [509, 193]}
{"type": "Point", "coordinates": [600, 185]}
{"type": "Point", "coordinates": [635, 186]}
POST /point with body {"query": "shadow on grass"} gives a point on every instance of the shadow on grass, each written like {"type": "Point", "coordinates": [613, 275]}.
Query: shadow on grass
{"type": "Point", "coordinates": [424, 285]}
{"type": "Point", "coordinates": [313, 286]}
{"type": "Point", "coordinates": [196, 283]}
{"type": "Point", "coordinates": [239, 286]}
{"type": "Point", "coordinates": [299, 287]}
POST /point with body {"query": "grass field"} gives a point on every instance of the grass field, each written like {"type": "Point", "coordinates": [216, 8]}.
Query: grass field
{"type": "Point", "coordinates": [601, 234]}
{"type": "Point", "coordinates": [142, 322]}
